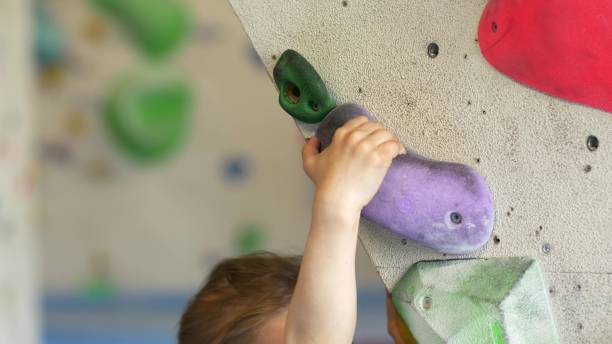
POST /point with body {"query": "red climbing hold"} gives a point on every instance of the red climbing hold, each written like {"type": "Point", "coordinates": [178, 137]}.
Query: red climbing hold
{"type": "Point", "coordinates": [560, 47]}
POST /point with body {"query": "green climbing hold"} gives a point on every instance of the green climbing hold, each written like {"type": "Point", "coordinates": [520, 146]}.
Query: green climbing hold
{"type": "Point", "coordinates": [49, 42]}
{"type": "Point", "coordinates": [156, 26]}
{"type": "Point", "coordinates": [147, 114]}
{"type": "Point", "coordinates": [99, 289]}
{"type": "Point", "coordinates": [488, 301]}
{"type": "Point", "coordinates": [302, 92]}
{"type": "Point", "coordinates": [497, 332]}
{"type": "Point", "coordinates": [249, 238]}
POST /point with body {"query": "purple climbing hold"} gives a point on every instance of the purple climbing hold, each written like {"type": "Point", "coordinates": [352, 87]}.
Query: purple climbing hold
{"type": "Point", "coordinates": [445, 206]}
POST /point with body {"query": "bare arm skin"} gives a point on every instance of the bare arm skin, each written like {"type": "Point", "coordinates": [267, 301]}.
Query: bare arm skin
{"type": "Point", "coordinates": [347, 174]}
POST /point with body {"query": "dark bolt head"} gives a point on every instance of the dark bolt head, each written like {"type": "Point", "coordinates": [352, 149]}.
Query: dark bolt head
{"type": "Point", "coordinates": [592, 143]}
{"type": "Point", "coordinates": [433, 50]}
{"type": "Point", "coordinates": [455, 218]}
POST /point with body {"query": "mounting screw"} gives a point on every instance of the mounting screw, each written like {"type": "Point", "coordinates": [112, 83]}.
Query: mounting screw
{"type": "Point", "coordinates": [455, 218]}
{"type": "Point", "coordinates": [546, 248]}
{"type": "Point", "coordinates": [592, 143]}
{"type": "Point", "coordinates": [404, 241]}
{"type": "Point", "coordinates": [433, 50]}
{"type": "Point", "coordinates": [426, 303]}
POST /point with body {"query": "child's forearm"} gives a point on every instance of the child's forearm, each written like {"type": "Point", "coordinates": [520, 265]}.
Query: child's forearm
{"type": "Point", "coordinates": [347, 174]}
{"type": "Point", "coordinates": [323, 308]}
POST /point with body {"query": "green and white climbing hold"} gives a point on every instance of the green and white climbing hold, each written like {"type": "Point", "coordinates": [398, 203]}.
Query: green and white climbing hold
{"type": "Point", "coordinates": [302, 92]}
{"type": "Point", "coordinates": [472, 301]}
{"type": "Point", "coordinates": [156, 26]}
{"type": "Point", "coordinates": [148, 114]}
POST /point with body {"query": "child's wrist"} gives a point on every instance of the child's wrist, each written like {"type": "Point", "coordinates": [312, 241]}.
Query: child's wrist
{"type": "Point", "coordinates": [336, 206]}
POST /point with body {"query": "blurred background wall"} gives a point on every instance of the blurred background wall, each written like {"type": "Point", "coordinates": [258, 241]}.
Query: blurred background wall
{"type": "Point", "coordinates": [235, 185]}
{"type": "Point", "coordinates": [125, 242]}
{"type": "Point", "coordinates": [18, 292]}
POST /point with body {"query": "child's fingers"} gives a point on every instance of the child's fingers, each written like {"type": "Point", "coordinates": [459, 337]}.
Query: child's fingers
{"type": "Point", "coordinates": [379, 136]}
{"type": "Point", "coordinates": [360, 133]}
{"type": "Point", "coordinates": [390, 149]}
{"type": "Point", "coordinates": [355, 122]}
{"type": "Point", "coordinates": [368, 127]}
{"type": "Point", "coordinates": [382, 135]}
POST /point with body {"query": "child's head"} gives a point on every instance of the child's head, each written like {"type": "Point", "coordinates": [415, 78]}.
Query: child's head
{"type": "Point", "coordinates": [244, 300]}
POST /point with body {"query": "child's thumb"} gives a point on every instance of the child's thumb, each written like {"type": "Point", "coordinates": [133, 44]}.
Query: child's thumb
{"type": "Point", "coordinates": [311, 148]}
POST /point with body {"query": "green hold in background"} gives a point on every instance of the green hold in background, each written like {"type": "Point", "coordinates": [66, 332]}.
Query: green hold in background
{"type": "Point", "coordinates": [248, 238]}
{"type": "Point", "coordinates": [156, 26]}
{"type": "Point", "coordinates": [473, 301]}
{"type": "Point", "coordinates": [302, 92]}
{"type": "Point", "coordinates": [148, 114]}
{"type": "Point", "coordinates": [49, 43]}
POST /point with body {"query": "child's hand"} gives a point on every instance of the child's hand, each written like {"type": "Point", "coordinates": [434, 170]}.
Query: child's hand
{"type": "Point", "coordinates": [349, 172]}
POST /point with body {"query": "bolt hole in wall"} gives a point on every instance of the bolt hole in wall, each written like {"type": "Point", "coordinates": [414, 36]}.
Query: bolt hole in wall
{"type": "Point", "coordinates": [433, 50]}
{"type": "Point", "coordinates": [539, 230]}
{"type": "Point", "coordinates": [496, 240]}
{"type": "Point", "coordinates": [592, 143]}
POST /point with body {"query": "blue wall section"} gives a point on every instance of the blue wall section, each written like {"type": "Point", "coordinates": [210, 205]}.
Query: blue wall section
{"type": "Point", "coordinates": [153, 319]}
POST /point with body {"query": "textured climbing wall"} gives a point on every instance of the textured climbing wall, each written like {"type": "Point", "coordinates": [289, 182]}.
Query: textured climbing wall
{"type": "Point", "coordinates": [552, 193]}
{"type": "Point", "coordinates": [18, 300]}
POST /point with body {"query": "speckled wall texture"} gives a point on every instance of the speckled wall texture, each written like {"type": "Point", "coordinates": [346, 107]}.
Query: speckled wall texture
{"type": "Point", "coordinates": [553, 194]}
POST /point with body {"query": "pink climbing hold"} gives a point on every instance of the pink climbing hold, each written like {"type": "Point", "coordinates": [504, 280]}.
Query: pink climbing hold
{"type": "Point", "coordinates": [560, 47]}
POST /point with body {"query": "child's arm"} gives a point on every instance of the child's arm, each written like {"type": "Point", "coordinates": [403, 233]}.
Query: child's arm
{"type": "Point", "coordinates": [347, 174]}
